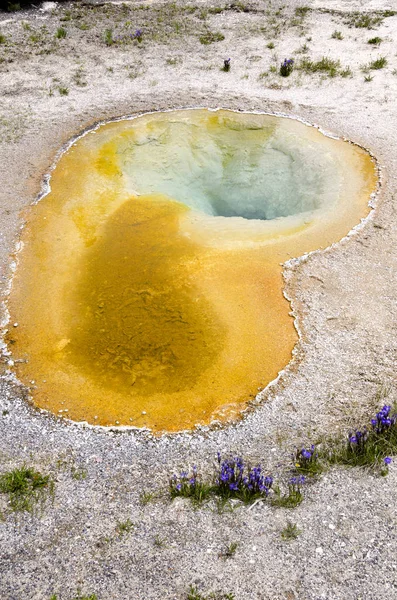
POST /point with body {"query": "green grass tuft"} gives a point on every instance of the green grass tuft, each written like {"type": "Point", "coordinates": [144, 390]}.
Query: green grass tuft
{"type": "Point", "coordinates": [25, 487]}
{"type": "Point", "coordinates": [124, 527]}
{"type": "Point", "coordinates": [229, 551]}
{"type": "Point", "coordinates": [337, 35]}
{"type": "Point", "coordinates": [377, 64]}
{"type": "Point", "coordinates": [210, 37]}
{"type": "Point", "coordinates": [290, 500]}
{"type": "Point", "coordinates": [290, 531]}
{"type": "Point", "coordinates": [325, 65]}
{"type": "Point", "coordinates": [194, 594]}
{"type": "Point", "coordinates": [301, 11]}
{"type": "Point", "coordinates": [108, 37]}
{"type": "Point", "coordinates": [61, 33]}
{"type": "Point", "coordinates": [375, 41]}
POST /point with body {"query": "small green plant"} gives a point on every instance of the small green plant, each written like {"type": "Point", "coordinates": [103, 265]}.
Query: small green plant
{"type": "Point", "coordinates": [13, 6]}
{"type": "Point", "coordinates": [210, 37]}
{"type": "Point", "coordinates": [146, 498]}
{"type": "Point", "coordinates": [77, 473]}
{"type": "Point", "coordinates": [375, 41]}
{"type": "Point", "coordinates": [124, 527]}
{"type": "Point", "coordinates": [229, 551]}
{"type": "Point", "coordinates": [303, 49]}
{"type": "Point", "coordinates": [294, 496]}
{"type": "Point", "coordinates": [26, 26]}
{"type": "Point", "coordinates": [337, 35]}
{"type": "Point", "coordinates": [377, 64]}
{"type": "Point", "coordinates": [346, 72]}
{"type": "Point", "coordinates": [61, 33]}
{"type": "Point", "coordinates": [324, 65]}
{"type": "Point", "coordinates": [79, 77]}
{"type": "Point", "coordinates": [270, 45]}
{"type": "Point", "coordinates": [192, 487]}
{"type": "Point", "coordinates": [108, 37]}
{"type": "Point", "coordinates": [63, 91]}
{"type": "Point", "coordinates": [194, 594]}
{"type": "Point", "coordinates": [35, 37]}
{"type": "Point", "coordinates": [368, 78]}
{"type": "Point", "coordinates": [290, 531]}
{"type": "Point", "coordinates": [3, 38]}
{"type": "Point", "coordinates": [173, 61]}
{"type": "Point", "coordinates": [366, 21]}
{"type": "Point", "coordinates": [301, 11]}
{"type": "Point", "coordinates": [159, 542]}
{"type": "Point", "coordinates": [25, 487]}
{"type": "Point", "coordinates": [67, 15]}
{"type": "Point", "coordinates": [78, 597]}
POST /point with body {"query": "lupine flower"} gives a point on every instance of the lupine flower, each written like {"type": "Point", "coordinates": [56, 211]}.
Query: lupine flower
{"type": "Point", "coordinates": [387, 460]}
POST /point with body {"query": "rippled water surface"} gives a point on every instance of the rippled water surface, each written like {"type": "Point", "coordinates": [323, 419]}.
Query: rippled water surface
{"type": "Point", "coordinates": [149, 286]}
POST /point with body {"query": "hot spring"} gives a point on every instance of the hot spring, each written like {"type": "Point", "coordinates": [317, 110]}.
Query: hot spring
{"type": "Point", "coordinates": [149, 288]}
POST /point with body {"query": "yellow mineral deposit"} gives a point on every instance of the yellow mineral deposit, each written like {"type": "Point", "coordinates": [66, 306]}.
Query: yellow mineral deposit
{"type": "Point", "coordinates": [149, 288]}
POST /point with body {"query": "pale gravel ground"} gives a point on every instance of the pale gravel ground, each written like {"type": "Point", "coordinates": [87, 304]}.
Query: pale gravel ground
{"type": "Point", "coordinates": [346, 302]}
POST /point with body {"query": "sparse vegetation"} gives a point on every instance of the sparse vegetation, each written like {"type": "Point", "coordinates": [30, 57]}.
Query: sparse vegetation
{"type": "Point", "coordinates": [229, 551]}
{"type": "Point", "coordinates": [64, 91]}
{"type": "Point", "coordinates": [377, 64]}
{"type": "Point", "coordinates": [337, 35]}
{"type": "Point", "coordinates": [61, 33]}
{"type": "Point", "coordinates": [346, 72]}
{"type": "Point", "coordinates": [77, 473]}
{"type": "Point", "coordinates": [301, 11]}
{"type": "Point", "coordinates": [210, 37]}
{"type": "Point", "coordinates": [25, 488]}
{"type": "Point", "coordinates": [293, 497]}
{"type": "Point", "coordinates": [79, 77]}
{"type": "Point", "coordinates": [325, 65]}
{"type": "Point", "coordinates": [303, 49]}
{"type": "Point", "coordinates": [194, 594]}
{"type": "Point", "coordinates": [290, 531]}
{"type": "Point", "coordinates": [3, 38]}
{"type": "Point", "coordinates": [108, 37]}
{"type": "Point", "coordinates": [124, 527]}
{"type": "Point", "coordinates": [159, 542]}
{"type": "Point", "coordinates": [78, 597]}
{"type": "Point", "coordinates": [364, 20]}
{"type": "Point", "coordinates": [147, 497]}
{"type": "Point", "coordinates": [375, 41]}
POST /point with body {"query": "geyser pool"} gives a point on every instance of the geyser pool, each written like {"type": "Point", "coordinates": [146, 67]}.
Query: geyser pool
{"type": "Point", "coordinates": [149, 287]}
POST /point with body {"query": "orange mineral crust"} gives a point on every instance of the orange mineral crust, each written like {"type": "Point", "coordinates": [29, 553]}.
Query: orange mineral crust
{"type": "Point", "coordinates": [149, 286]}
